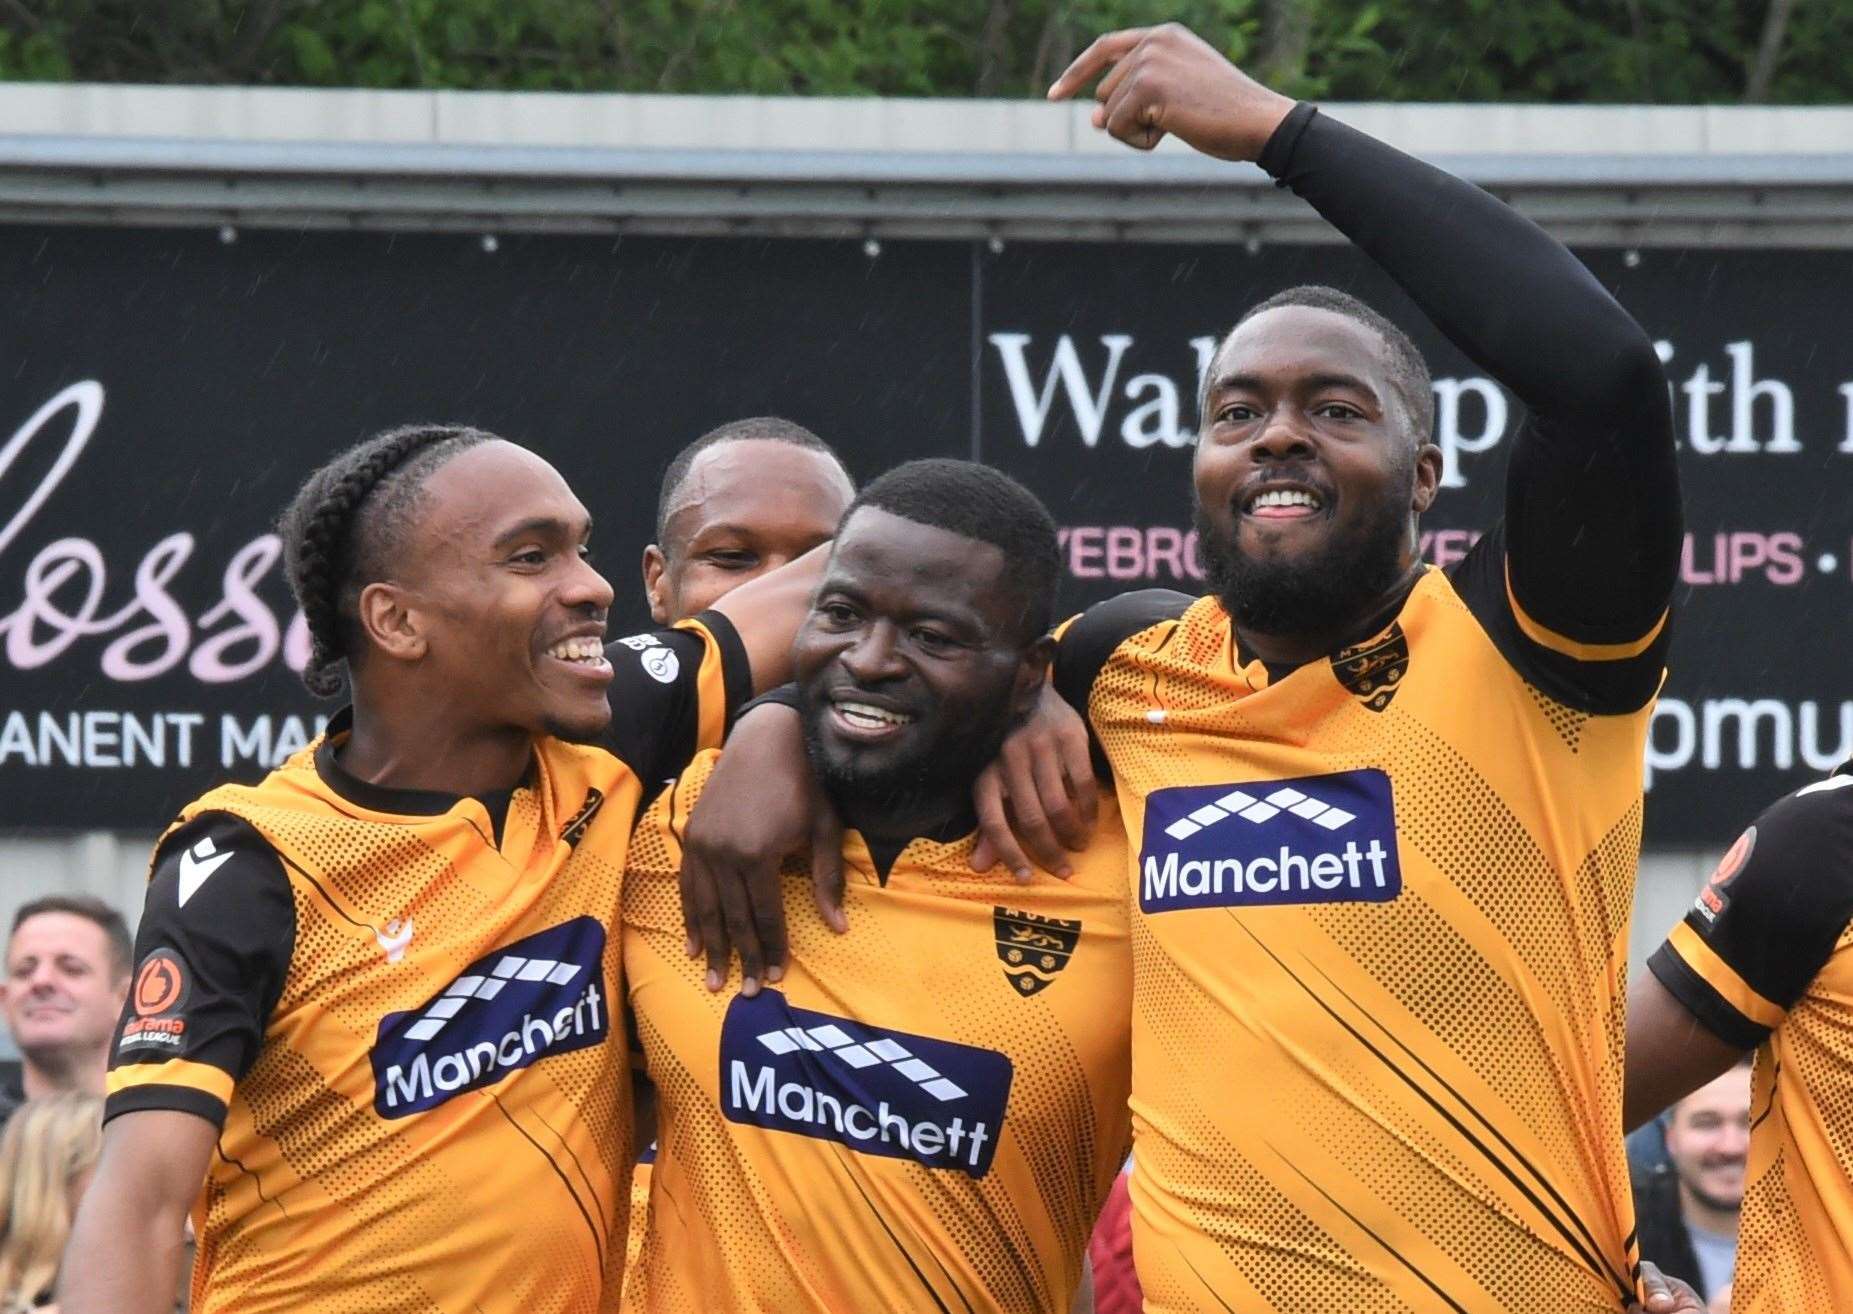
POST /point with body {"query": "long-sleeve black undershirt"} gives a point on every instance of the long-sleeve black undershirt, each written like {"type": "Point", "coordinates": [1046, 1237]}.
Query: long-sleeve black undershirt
{"type": "Point", "coordinates": [1592, 525]}
{"type": "Point", "coordinates": [1591, 533]}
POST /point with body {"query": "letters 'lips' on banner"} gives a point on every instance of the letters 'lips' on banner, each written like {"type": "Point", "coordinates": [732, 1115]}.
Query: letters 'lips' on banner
{"type": "Point", "coordinates": [890, 1093]}
{"type": "Point", "coordinates": [1315, 839]}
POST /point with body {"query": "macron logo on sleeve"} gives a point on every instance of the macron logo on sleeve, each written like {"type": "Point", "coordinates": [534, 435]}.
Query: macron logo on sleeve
{"type": "Point", "coordinates": [1314, 839]}
{"type": "Point", "coordinates": [197, 863]}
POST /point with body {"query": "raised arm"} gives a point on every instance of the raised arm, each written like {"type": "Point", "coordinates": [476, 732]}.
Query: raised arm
{"type": "Point", "coordinates": [1592, 516]}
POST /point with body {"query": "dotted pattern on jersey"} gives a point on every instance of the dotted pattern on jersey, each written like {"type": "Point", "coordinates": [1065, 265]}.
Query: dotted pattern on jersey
{"type": "Point", "coordinates": [363, 1191]}
{"type": "Point", "coordinates": [1045, 1058]}
{"type": "Point", "coordinates": [722, 1186]}
{"type": "Point", "coordinates": [974, 1240]}
{"type": "Point", "coordinates": [1449, 1202]}
{"type": "Point", "coordinates": [1566, 721]}
{"type": "Point", "coordinates": [1785, 1246]}
{"type": "Point", "coordinates": [1608, 877]}
{"type": "Point", "coordinates": [1553, 925]}
{"type": "Point", "coordinates": [1453, 816]}
{"type": "Point", "coordinates": [1218, 1182]}
{"type": "Point", "coordinates": [1428, 1184]}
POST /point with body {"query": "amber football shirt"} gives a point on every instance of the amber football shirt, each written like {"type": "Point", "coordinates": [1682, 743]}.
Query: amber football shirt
{"type": "Point", "coordinates": [1379, 924]}
{"type": "Point", "coordinates": [924, 1114]}
{"type": "Point", "coordinates": [1764, 960]}
{"type": "Point", "coordinates": [403, 1010]}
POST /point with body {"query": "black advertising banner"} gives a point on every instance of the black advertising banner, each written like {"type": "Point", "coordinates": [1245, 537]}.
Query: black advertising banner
{"type": "Point", "coordinates": [166, 390]}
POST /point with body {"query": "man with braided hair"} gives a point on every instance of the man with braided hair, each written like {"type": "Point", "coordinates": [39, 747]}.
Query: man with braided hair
{"type": "Point", "coordinates": [372, 1007]}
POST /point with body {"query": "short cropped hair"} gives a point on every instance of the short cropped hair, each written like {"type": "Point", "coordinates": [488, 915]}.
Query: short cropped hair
{"type": "Point", "coordinates": [1409, 374]}
{"type": "Point", "coordinates": [979, 502]}
{"type": "Point", "coordinates": [757, 428]}
{"type": "Point", "coordinates": [108, 920]}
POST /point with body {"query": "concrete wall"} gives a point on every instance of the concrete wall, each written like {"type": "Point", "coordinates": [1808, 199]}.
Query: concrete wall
{"type": "Point", "coordinates": [816, 123]}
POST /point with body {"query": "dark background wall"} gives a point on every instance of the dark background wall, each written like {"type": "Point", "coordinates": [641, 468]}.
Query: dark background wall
{"type": "Point", "coordinates": [163, 391]}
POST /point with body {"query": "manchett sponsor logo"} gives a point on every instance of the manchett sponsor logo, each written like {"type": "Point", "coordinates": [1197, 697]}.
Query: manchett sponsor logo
{"type": "Point", "coordinates": [889, 1093]}
{"type": "Point", "coordinates": [536, 997]}
{"type": "Point", "coordinates": [1314, 839]}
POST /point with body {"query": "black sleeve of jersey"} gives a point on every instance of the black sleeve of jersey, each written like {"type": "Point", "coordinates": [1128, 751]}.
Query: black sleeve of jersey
{"type": "Point", "coordinates": [1593, 522]}
{"type": "Point", "coordinates": [656, 699]}
{"type": "Point", "coordinates": [1096, 632]}
{"type": "Point", "coordinates": [211, 956]}
{"type": "Point", "coordinates": [784, 695]}
{"type": "Point", "coordinates": [1604, 688]}
{"type": "Point", "coordinates": [1774, 916]}
{"type": "Point", "coordinates": [1090, 640]}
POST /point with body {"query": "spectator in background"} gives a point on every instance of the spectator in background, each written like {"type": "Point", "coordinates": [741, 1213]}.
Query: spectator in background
{"type": "Point", "coordinates": [67, 975]}
{"type": "Point", "coordinates": [47, 1155]}
{"type": "Point", "coordinates": [1686, 1210]}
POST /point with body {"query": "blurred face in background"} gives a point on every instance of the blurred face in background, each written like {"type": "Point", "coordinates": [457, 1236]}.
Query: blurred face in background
{"type": "Point", "coordinates": [1708, 1140]}
{"type": "Point", "coordinates": [63, 989]}
{"type": "Point", "coordinates": [744, 508]}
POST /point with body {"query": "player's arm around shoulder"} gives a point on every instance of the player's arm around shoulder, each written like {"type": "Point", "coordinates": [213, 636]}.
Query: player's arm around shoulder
{"type": "Point", "coordinates": [766, 612]}
{"type": "Point", "coordinates": [1039, 801]}
{"type": "Point", "coordinates": [1754, 940]}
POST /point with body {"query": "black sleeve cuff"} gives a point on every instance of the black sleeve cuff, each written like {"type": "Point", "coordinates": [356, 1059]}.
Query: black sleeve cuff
{"type": "Point", "coordinates": [1695, 993]}
{"type": "Point", "coordinates": [785, 695]}
{"type": "Point", "coordinates": [736, 668]}
{"type": "Point", "coordinates": [1277, 155]}
{"type": "Point", "coordinates": [177, 1099]}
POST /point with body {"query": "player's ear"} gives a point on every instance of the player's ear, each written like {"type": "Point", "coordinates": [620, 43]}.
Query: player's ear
{"type": "Point", "coordinates": [1427, 477]}
{"type": "Point", "coordinates": [655, 586]}
{"type": "Point", "coordinates": [391, 622]}
{"type": "Point", "coordinates": [1032, 673]}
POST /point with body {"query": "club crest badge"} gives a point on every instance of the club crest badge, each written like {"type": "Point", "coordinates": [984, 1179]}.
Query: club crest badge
{"type": "Point", "coordinates": [1033, 949]}
{"type": "Point", "coordinates": [1373, 670]}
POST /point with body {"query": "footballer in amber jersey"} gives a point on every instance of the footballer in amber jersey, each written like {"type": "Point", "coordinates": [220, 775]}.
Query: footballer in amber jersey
{"type": "Point", "coordinates": [1764, 961]}
{"type": "Point", "coordinates": [925, 1114]}
{"type": "Point", "coordinates": [1378, 951]}
{"type": "Point", "coordinates": [1384, 819]}
{"type": "Point", "coordinates": [403, 1010]}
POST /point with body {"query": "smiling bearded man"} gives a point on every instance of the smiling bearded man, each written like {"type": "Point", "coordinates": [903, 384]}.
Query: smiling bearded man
{"type": "Point", "coordinates": [928, 1112]}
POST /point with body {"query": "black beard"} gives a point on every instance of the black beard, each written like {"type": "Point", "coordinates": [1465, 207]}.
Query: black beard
{"type": "Point", "coordinates": [1330, 592]}
{"type": "Point", "coordinates": [937, 777]}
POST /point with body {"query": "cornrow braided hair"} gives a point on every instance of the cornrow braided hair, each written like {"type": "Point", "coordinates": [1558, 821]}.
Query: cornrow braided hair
{"type": "Point", "coordinates": [342, 527]}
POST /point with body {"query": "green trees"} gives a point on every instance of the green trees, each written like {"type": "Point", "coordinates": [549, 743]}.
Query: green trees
{"type": "Point", "coordinates": [1666, 51]}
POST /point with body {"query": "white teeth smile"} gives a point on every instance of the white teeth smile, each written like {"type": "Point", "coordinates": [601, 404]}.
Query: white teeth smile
{"type": "Point", "coordinates": [585, 649]}
{"type": "Point", "coordinates": [1285, 497]}
{"type": "Point", "coordinates": [865, 717]}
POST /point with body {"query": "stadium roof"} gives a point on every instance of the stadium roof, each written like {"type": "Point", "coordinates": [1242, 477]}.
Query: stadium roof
{"type": "Point", "coordinates": [504, 162]}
